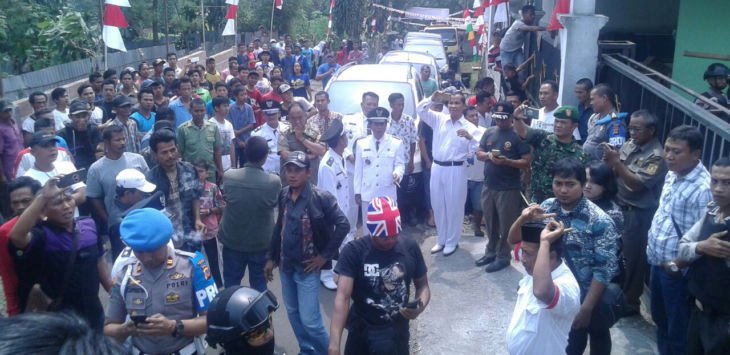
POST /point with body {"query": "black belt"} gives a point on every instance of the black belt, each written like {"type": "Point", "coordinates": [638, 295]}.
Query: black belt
{"type": "Point", "coordinates": [449, 163]}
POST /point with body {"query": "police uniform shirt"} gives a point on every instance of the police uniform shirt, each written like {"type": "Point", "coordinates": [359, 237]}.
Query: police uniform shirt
{"type": "Point", "coordinates": [181, 288]}
{"type": "Point", "coordinates": [375, 164]}
{"type": "Point", "coordinates": [382, 279]}
{"type": "Point", "coordinates": [271, 135]}
{"type": "Point", "coordinates": [333, 177]}
{"type": "Point", "coordinates": [647, 162]}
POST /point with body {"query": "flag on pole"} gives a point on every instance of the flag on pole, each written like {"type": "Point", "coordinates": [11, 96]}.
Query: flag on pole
{"type": "Point", "coordinates": [113, 21]}
{"type": "Point", "coordinates": [329, 23]}
{"type": "Point", "coordinates": [230, 29]}
{"type": "Point", "coordinates": [562, 7]}
{"type": "Point", "coordinates": [279, 4]}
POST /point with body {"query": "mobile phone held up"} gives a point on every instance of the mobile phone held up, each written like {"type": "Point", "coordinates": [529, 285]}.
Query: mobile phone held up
{"type": "Point", "coordinates": [532, 113]}
{"type": "Point", "coordinates": [72, 178]}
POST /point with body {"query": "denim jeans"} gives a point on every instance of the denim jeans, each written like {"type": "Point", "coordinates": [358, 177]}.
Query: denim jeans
{"type": "Point", "coordinates": [515, 57]}
{"type": "Point", "coordinates": [301, 298]}
{"type": "Point", "coordinates": [234, 268]}
{"type": "Point", "coordinates": [670, 311]}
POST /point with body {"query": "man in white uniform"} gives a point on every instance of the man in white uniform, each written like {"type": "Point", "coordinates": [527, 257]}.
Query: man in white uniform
{"type": "Point", "coordinates": [380, 162]}
{"type": "Point", "coordinates": [548, 298]}
{"type": "Point", "coordinates": [333, 178]}
{"type": "Point", "coordinates": [453, 142]}
{"type": "Point", "coordinates": [355, 126]}
{"type": "Point", "coordinates": [271, 132]}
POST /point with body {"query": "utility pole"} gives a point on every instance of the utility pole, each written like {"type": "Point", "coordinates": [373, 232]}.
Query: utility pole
{"type": "Point", "coordinates": [167, 30]}
{"type": "Point", "coordinates": [578, 46]}
{"type": "Point", "coordinates": [202, 17]}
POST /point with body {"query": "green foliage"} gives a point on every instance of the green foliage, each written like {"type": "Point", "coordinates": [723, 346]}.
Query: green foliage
{"type": "Point", "coordinates": [348, 15]}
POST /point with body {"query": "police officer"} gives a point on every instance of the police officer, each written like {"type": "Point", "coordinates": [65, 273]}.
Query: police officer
{"type": "Point", "coordinates": [271, 132]}
{"type": "Point", "coordinates": [707, 247]}
{"type": "Point", "coordinates": [333, 178]}
{"type": "Point", "coordinates": [161, 295]}
{"type": "Point", "coordinates": [239, 318]}
{"type": "Point", "coordinates": [716, 76]}
{"type": "Point", "coordinates": [380, 161]}
{"type": "Point", "coordinates": [640, 170]}
{"type": "Point", "coordinates": [376, 273]}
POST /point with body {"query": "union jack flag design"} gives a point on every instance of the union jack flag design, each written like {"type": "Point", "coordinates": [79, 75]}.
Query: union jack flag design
{"type": "Point", "coordinates": [383, 218]}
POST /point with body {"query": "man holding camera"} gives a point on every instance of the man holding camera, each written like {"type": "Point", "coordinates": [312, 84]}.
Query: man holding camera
{"type": "Point", "coordinates": [706, 247]}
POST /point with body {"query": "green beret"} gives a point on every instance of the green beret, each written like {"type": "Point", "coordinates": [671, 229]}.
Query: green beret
{"type": "Point", "coordinates": [567, 113]}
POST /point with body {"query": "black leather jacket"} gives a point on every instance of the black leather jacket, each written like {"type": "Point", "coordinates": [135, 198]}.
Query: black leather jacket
{"type": "Point", "coordinates": [329, 224]}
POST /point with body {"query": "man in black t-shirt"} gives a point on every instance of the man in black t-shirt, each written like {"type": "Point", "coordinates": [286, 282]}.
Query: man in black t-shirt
{"type": "Point", "coordinates": [376, 273]}
{"type": "Point", "coordinates": [504, 154]}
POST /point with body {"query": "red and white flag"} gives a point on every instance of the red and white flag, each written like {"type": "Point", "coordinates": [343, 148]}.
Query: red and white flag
{"type": "Point", "coordinates": [113, 21]}
{"type": "Point", "coordinates": [278, 4]}
{"type": "Point", "coordinates": [329, 23]}
{"type": "Point", "coordinates": [230, 29]}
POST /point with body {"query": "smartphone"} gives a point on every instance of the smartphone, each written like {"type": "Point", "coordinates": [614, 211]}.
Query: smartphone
{"type": "Point", "coordinates": [532, 113]}
{"type": "Point", "coordinates": [139, 319]}
{"type": "Point", "coordinates": [194, 59]}
{"type": "Point", "coordinates": [496, 152]}
{"type": "Point", "coordinates": [414, 304]}
{"type": "Point", "coordinates": [72, 178]}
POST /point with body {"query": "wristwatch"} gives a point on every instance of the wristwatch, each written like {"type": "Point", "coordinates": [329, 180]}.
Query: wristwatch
{"type": "Point", "coordinates": [179, 328]}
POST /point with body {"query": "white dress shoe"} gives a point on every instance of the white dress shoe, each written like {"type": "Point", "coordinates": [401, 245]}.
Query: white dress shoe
{"type": "Point", "coordinates": [450, 250]}
{"type": "Point", "coordinates": [437, 248]}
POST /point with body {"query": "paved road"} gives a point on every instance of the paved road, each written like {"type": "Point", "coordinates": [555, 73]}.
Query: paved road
{"type": "Point", "coordinates": [469, 310]}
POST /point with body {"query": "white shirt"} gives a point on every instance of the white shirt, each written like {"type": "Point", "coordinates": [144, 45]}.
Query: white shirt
{"type": "Point", "coordinates": [546, 122]}
{"type": "Point", "coordinates": [475, 171]}
{"type": "Point", "coordinates": [272, 139]}
{"type": "Point", "coordinates": [447, 145]}
{"type": "Point", "coordinates": [332, 177]}
{"type": "Point", "coordinates": [29, 123]}
{"type": "Point", "coordinates": [96, 115]}
{"type": "Point", "coordinates": [227, 133]}
{"type": "Point", "coordinates": [374, 168]}
{"type": "Point", "coordinates": [355, 126]}
{"type": "Point", "coordinates": [539, 328]}
{"type": "Point", "coordinates": [28, 160]}
{"type": "Point", "coordinates": [60, 116]}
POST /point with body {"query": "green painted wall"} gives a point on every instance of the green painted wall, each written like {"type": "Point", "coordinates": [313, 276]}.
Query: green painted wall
{"type": "Point", "coordinates": [702, 27]}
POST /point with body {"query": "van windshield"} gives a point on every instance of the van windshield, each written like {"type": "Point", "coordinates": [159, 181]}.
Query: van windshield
{"type": "Point", "coordinates": [345, 96]}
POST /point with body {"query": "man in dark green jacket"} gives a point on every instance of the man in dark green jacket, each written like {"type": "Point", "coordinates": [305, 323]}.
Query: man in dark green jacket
{"type": "Point", "coordinates": [248, 221]}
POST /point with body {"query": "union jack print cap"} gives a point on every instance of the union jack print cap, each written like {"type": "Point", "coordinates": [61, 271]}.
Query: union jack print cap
{"type": "Point", "coordinates": [383, 218]}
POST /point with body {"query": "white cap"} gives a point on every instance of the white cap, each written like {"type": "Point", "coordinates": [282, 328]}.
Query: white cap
{"type": "Point", "coordinates": [134, 179]}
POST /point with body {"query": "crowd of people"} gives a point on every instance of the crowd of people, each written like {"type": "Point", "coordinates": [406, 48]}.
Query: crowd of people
{"type": "Point", "coordinates": [197, 177]}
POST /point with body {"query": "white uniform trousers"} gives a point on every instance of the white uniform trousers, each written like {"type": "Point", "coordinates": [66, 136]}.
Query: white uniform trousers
{"type": "Point", "coordinates": [448, 196]}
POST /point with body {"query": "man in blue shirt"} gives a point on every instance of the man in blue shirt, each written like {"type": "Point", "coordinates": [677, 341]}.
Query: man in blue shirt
{"type": "Point", "coordinates": [181, 105]}
{"type": "Point", "coordinates": [326, 70]}
{"type": "Point", "coordinates": [243, 121]}
{"type": "Point", "coordinates": [287, 65]}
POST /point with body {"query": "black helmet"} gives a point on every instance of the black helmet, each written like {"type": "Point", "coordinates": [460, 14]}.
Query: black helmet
{"type": "Point", "coordinates": [237, 311]}
{"type": "Point", "coordinates": [716, 70]}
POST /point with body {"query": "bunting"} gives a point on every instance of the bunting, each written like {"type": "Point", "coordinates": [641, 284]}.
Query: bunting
{"type": "Point", "coordinates": [230, 29]}
{"type": "Point", "coordinates": [114, 20]}
{"type": "Point", "coordinates": [279, 4]}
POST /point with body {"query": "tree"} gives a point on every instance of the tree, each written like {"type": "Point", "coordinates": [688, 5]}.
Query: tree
{"type": "Point", "coordinates": [348, 15]}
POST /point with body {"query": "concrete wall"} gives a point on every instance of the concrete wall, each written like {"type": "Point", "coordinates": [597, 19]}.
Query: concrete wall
{"type": "Point", "coordinates": [703, 27]}
{"type": "Point", "coordinates": [23, 109]}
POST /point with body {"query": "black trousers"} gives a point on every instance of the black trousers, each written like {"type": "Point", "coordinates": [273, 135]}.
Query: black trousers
{"type": "Point", "coordinates": [636, 228]}
{"type": "Point", "coordinates": [381, 340]}
{"type": "Point", "coordinates": [708, 334]}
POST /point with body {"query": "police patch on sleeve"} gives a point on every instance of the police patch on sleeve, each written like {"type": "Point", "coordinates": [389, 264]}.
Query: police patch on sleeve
{"type": "Point", "coordinates": [203, 284]}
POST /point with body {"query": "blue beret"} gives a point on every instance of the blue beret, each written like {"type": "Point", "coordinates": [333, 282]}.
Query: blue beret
{"type": "Point", "coordinates": [145, 229]}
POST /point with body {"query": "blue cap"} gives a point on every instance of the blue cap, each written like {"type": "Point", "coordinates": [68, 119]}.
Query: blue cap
{"type": "Point", "coordinates": [145, 229]}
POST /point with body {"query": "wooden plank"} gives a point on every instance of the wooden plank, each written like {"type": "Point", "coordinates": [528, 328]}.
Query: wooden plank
{"type": "Point", "coordinates": [724, 57]}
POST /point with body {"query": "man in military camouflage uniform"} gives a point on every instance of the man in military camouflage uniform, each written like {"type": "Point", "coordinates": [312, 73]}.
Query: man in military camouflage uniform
{"type": "Point", "coordinates": [549, 148]}
{"type": "Point", "coordinates": [640, 170]}
{"type": "Point", "coordinates": [160, 295]}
